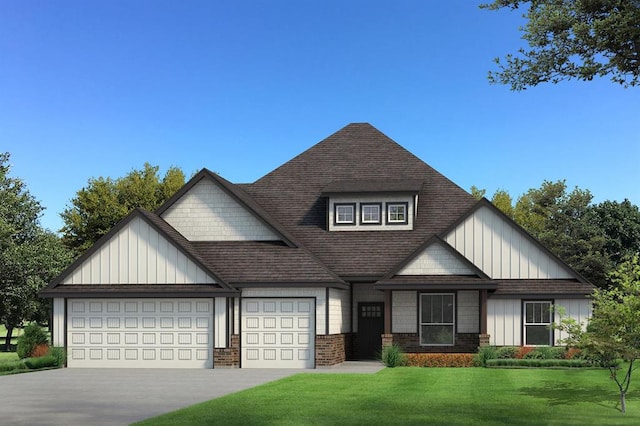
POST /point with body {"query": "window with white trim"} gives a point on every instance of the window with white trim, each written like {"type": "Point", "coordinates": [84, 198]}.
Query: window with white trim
{"type": "Point", "coordinates": [345, 214]}
{"type": "Point", "coordinates": [437, 319]}
{"type": "Point", "coordinates": [370, 214]}
{"type": "Point", "coordinates": [397, 213]}
{"type": "Point", "coordinates": [537, 323]}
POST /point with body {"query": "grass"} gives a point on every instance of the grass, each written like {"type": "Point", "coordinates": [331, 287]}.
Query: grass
{"type": "Point", "coordinates": [468, 396]}
{"type": "Point", "coordinates": [8, 356]}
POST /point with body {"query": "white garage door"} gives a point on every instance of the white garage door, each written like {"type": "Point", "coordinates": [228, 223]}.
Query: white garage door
{"type": "Point", "coordinates": [139, 333]}
{"type": "Point", "coordinates": [278, 333]}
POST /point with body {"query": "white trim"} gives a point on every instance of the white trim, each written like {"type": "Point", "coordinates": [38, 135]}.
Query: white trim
{"type": "Point", "coordinates": [404, 207]}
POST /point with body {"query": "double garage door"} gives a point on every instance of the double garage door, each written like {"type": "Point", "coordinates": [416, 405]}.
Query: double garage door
{"type": "Point", "coordinates": [151, 333]}
{"type": "Point", "coordinates": [178, 333]}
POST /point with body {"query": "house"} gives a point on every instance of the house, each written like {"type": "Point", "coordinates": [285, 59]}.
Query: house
{"type": "Point", "coordinates": [353, 244]}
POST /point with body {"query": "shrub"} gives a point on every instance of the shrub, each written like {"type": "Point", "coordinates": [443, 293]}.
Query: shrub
{"type": "Point", "coordinates": [523, 351]}
{"type": "Point", "coordinates": [541, 352]}
{"type": "Point", "coordinates": [573, 353]}
{"type": "Point", "coordinates": [12, 366]}
{"type": "Point", "coordinates": [440, 360]}
{"type": "Point", "coordinates": [33, 336]}
{"type": "Point", "coordinates": [393, 356]}
{"type": "Point", "coordinates": [40, 350]}
{"type": "Point", "coordinates": [59, 354]}
{"type": "Point", "coordinates": [539, 363]}
{"type": "Point", "coordinates": [506, 352]}
{"type": "Point", "coordinates": [42, 362]}
{"type": "Point", "coordinates": [558, 352]}
{"type": "Point", "coordinates": [484, 353]}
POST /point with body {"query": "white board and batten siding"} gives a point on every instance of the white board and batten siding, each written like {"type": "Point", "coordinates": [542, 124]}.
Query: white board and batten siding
{"type": "Point", "coordinates": [504, 319]}
{"type": "Point", "coordinates": [138, 254]}
{"type": "Point", "coordinates": [501, 250]}
{"type": "Point", "coordinates": [578, 309]}
{"type": "Point", "coordinates": [207, 213]}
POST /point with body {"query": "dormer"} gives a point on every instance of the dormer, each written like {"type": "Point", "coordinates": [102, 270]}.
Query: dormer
{"type": "Point", "coordinates": [372, 204]}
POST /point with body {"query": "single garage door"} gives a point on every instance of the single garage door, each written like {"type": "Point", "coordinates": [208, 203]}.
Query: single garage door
{"type": "Point", "coordinates": [139, 333]}
{"type": "Point", "coordinates": [278, 333]}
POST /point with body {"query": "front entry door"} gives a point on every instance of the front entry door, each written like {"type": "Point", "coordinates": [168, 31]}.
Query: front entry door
{"type": "Point", "coordinates": [370, 329]}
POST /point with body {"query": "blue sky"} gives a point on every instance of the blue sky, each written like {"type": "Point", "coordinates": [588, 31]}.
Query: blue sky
{"type": "Point", "coordinates": [98, 88]}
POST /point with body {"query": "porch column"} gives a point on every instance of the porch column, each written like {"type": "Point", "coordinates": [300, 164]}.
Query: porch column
{"type": "Point", "coordinates": [387, 312]}
{"type": "Point", "coordinates": [483, 311]}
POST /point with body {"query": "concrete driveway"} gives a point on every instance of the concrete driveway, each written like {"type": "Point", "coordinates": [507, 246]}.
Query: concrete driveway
{"type": "Point", "coordinates": [116, 396]}
{"type": "Point", "coordinates": [81, 396]}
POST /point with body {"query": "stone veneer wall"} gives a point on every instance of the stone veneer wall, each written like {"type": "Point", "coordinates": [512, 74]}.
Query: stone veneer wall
{"type": "Point", "coordinates": [331, 349]}
{"type": "Point", "coordinates": [410, 342]}
{"type": "Point", "coordinates": [228, 357]}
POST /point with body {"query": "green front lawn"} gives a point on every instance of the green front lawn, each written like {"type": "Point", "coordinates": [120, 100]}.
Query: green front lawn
{"type": "Point", "coordinates": [8, 356]}
{"type": "Point", "coordinates": [473, 396]}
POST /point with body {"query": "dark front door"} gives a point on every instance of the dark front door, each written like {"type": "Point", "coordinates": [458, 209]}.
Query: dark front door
{"type": "Point", "coordinates": [370, 329]}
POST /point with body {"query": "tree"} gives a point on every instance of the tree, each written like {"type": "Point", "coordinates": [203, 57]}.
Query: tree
{"type": "Point", "coordinates": [105, 201]}
{"type": "Point", "coordinates": [573, 39]}
{"type": "Point", "coordinates": [620, 223]}
{"type": "Point", "coordinates": [613, 332]}
{"type": "Point", "coordinates": [29, 255]}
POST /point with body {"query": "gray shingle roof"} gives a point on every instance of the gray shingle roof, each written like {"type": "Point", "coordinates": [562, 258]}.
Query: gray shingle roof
{"type": "Point", "coordinates": [292, 193]}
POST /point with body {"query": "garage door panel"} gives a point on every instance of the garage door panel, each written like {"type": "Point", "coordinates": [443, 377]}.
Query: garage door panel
{"type": "Point", "coordinates": [142, 333]}
{"type": "Point", "coordinates": [277, 333]}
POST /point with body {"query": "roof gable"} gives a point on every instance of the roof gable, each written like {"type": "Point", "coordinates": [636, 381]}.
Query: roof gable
{"type": "Point", "coordinates": [437, 258]}
{"type": "Point", "coordinates": [210, 208]}
{"type": "Point", "coordinates": [140, 249]}
{"type": "Point", "coordinates": [502, 249]}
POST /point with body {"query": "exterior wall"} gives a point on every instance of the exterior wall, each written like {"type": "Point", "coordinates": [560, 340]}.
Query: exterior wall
{"type": "Point", "coordinates": [318, 293]}
{"type": "Point", "coordinates": [504, 322]}
{"type": "Point", "coordinates": [404, 312]}
{"type": "Point", "coordinates": [220, 322]}
{"type": "Point", "coordinates": [464, 343]}
{"type": "Point", "coordinates": [208, 213]}
{"type": "Point", "coordinates": [578, 309]}
{"type": "Point", "coordinates": [468, 312]}
{"type": "Point", "coordinates": [502, 250]}
{"type": "Point", "coordinates": [339, 311]}
{"type": "Point", "coordinates": [357, 199]}
{"type": "Point", "coordinates": [138, 254]}
{"type": "Point", "coordinates": [363, 293]}
{"type": "Point", "coordinates": [228, 357]}
{"type": "Point", "coordinates": [436, 260]}
{"type": "Point", "coordinates": [330, 349]}
{"type": "Point", "coordinates": [59, 316]}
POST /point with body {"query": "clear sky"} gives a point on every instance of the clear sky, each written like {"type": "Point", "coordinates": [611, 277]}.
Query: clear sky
{"type": "Point", "coordinates": [98, 88]}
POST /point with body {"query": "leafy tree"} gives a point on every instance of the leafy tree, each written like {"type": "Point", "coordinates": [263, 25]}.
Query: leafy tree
{"type": "Point", "coordinates": [620, 223]}
{"type": "Point", "coordinates": [29, 255]}
{"type": "Point", "coordinates": [503, 201]}
{"type": "Point", "coordinates": [573, 39]}
{"type": "Point", "coordinates": [105, 201]}
{"type": "Point", "coordinates": [613, 332]}
{"type": "Point", "coordinates": [477, 193]}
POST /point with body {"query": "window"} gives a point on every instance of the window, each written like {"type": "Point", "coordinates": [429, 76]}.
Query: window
{"type": "Point", "coordinates": [537, 323]}
{"type": "Point", "coordinates": [370, 214]}
{"type": "Point", "coordinates": [344, 214]}
{"type": "Point", "coordinates": [437, 313]}
{"type": "Point", "coordinates": [397, 213]}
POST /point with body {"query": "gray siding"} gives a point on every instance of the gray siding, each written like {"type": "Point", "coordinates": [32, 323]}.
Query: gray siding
{"type": "Point", "coordinates": [339, 311]}
{"type": "Point", "coordinates": [207, 213]}
{"type": "Point", "coordinates": [468, 312]}
{"type": "Point", "coordinates": [404, 311]}
{"type": "Point", "coordinates": [436, 260]}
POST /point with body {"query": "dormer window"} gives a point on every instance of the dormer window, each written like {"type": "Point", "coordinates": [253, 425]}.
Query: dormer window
{"type": "Point", "coordinates": [345, 214]}
{"type": "Point", "coordinates": [370, 214]}
{"type": "Point", "coordinates": [397, 213]}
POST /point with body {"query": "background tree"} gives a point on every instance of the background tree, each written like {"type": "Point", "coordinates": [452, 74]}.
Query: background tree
{"type": "Point", "coordinates": [573, 39]}
{"type": "Point", "coordinates": [104, 202]}
{"type": "Point", "coordinates": [613, 332]}
{"type": "Point", "coordinates": [620, 223]}
{"type": "Point", "coordinates": [29, 255]}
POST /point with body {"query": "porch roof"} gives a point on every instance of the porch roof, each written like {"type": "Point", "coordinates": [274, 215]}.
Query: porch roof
{"type": "Point", "coordinates": [436, 282]}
